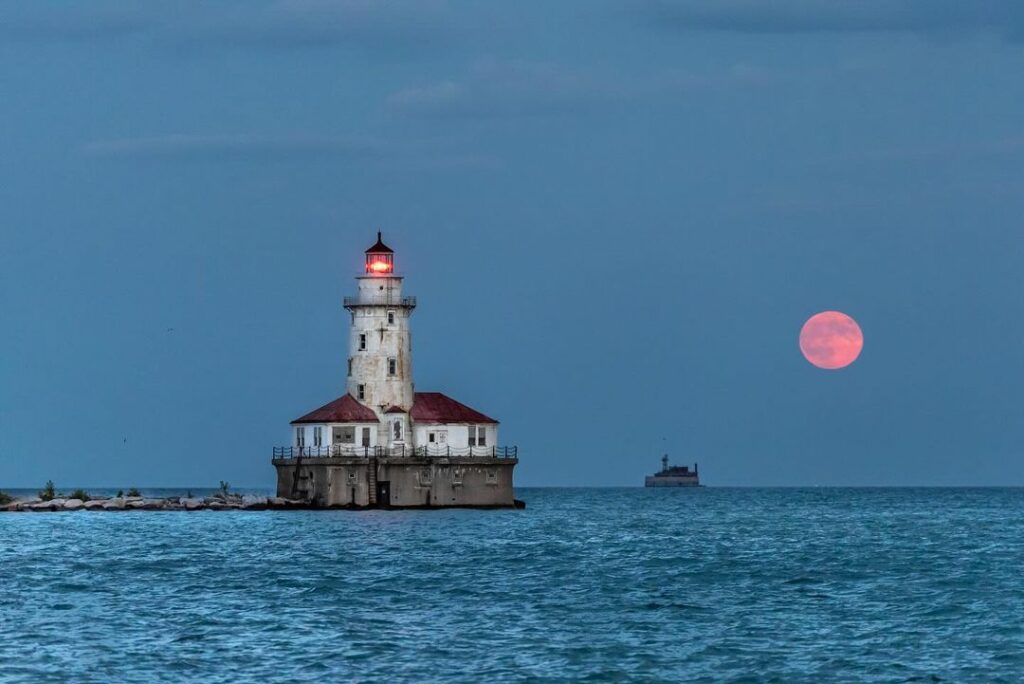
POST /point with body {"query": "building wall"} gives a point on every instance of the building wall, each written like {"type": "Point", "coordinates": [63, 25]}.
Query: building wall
{"type": "Point", "coordinates": [414, 483]}
{"type": "Point", "coordinates": [458, 433]}
{"type": "Point", "coordinates": [328, 431]}
{"type": "Point", "coordinates": [384, 341]}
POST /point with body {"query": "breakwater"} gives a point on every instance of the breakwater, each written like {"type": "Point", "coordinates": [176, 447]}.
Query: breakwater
{"type": "Point", "coordinates": [219, 502]}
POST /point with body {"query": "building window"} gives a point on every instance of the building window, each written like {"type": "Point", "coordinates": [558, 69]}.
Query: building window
{"type": "Point", "coordinates": [392, 367]}
{"type": "Point", "coordinates": [362, 341]}
{"type": "Point", "coordinates": [361, 389]}
{"type": "Point", "coordinates": [300, 437]}
{"type": "Point", "coordinates": [477, 435]}
{"type": "Point", "coordinates": [432, 437]}
{"type": "Point", "coordinates": [391, 317]}
{"type": "Point", "coordinates": [398, 430]}
{"type": "Point", "coordinates": [344, 435]}
{"type": "Point", "coordinates": [318, 436]}
{"type": "Point", "coordinates": [350, 367]}
{"type": "Point", "coordinates": [366, 436]}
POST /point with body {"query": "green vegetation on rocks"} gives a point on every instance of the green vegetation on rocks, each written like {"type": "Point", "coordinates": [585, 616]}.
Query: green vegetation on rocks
{"type": "Point", "coordinates": [79, 494]}
{"type": "Point", "coordinates": [48, 493]}
{"type": "Point", "coordinates": [5, 498]}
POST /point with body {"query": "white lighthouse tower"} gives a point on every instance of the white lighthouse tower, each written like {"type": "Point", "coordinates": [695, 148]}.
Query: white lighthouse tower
{"type": "Point", "coordinates": [380, 355]}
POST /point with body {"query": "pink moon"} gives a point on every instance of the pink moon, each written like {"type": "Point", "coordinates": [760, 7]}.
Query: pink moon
{"type": "Point", "coordinates": [831, 340]}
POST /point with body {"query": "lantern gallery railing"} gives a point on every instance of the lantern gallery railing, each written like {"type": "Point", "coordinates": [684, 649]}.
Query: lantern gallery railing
{"type": "Point", "coordinates": [343, 451]}
{"type": "Point", "coordinates": [380, 300]}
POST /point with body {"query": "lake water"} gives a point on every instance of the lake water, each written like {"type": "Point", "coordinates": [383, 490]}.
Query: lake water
{"type": "Point", "coordinates": [599, 585]}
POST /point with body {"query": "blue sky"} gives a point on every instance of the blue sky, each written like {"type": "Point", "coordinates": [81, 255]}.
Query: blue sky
{"type": "Point", "coordinates": [616, 216]}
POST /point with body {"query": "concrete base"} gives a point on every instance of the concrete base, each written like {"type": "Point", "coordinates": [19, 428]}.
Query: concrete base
{"type": "Point", "coordinates": [354, 482]}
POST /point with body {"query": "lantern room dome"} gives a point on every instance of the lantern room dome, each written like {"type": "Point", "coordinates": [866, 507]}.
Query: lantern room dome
{"type": "Point", "coordinates": [380, 259]}
{"type": "Point", "coordinates": [379, 247]}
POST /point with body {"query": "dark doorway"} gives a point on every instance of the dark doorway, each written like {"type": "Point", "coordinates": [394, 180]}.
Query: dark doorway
{"type": "Point", "coordinates": [383, 493]}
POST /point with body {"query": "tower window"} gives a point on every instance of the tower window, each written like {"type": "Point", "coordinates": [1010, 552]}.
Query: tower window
{"type": "Point", "coordinates": [350, 367]}
{"type": "Point", "coordinates": [361, 389]}
{"type": "Point", "coordinates": [362, 341]}
{"type": "Point", "coordinates": [398, 430]}
{"type": "Point", "coordinates": [392, 367]}
{"type": "Point", "coordinates": [391, 317]}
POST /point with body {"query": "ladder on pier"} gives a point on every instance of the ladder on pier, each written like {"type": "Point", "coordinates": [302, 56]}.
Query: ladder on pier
{"type": "Point", "coordinates": [371, 480]}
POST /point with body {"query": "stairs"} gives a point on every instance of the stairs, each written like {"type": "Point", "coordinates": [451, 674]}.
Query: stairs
{"type": "Point", "coordinates": [371, 480]}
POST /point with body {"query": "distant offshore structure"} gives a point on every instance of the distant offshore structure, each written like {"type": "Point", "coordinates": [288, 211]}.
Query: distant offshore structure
{"type": "Point", "coordinates": [381, 444]}
{"type": "Point", "coordinates": [673, 476]}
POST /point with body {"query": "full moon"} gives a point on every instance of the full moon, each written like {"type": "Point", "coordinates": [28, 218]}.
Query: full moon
{"type": "Point", "coordinates": [831, 340]}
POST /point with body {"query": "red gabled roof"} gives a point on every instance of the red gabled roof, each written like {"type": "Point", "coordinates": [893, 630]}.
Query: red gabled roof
{"type": "Point", "coordinates": [434, 407]}
{"type": "Point", "coordinates": [342, 410]}
{"type": "Point", "coordinates": [395, 409]}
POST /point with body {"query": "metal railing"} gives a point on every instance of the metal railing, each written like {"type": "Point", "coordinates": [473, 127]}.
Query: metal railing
{"type": "Point", "coordinates": [344, 451]}
{"type": "Point", "coordinates": [380, 300]}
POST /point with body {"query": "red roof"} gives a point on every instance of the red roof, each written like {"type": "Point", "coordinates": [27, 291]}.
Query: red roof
{"type": "Point", "coordinates": [434, 407]}
{"type": "Point", "coordinates": [395, 409]}
{"type": "Point", "coordinates": [342, 410]}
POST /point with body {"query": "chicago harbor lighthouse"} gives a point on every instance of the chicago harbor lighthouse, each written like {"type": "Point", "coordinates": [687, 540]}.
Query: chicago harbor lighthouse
{"type": "Point", "coordinates": [381, 444]}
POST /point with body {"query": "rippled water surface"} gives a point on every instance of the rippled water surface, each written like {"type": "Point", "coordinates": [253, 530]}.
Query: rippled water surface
{"type": "Point", "coordinates": [585, 585]}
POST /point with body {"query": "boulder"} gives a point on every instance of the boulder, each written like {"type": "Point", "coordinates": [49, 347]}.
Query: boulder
{"type": "Point", "coordinates": [114, 505]}
{"type": "Point", "coordinates": [44, 506]}
{"type": "Point", "coordinates": [254, 503]}
{"type": "Point", "coordinates": [193, 504]}
{"type": "Point", "coordinates": [280, 502]}
{"type": "Point", "coordinates": [145, 504]}
{"type": "Point", "coordinates": [73, 505]}
{"type": "Point", "coordinates": [95, 505]}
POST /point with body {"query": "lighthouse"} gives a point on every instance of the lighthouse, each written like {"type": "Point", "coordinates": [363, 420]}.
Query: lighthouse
{"type": "Point", "coordinates": [382, 444]}
{"type": "Point", "coordinates": [380, 352]}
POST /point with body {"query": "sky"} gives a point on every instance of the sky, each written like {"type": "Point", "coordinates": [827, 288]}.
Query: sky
{"type": "Point", "coordinates": [616, 217]}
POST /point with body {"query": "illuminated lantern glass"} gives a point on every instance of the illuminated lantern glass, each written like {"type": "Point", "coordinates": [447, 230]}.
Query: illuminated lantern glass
{"type": "Point", "coordinates": [380, 259]}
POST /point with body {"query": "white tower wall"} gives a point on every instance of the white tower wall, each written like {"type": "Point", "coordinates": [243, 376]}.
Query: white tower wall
{"type": "Point", "coordinates": [379, 344]}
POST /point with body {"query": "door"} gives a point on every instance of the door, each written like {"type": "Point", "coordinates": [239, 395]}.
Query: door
{"type": "Point", "coordinates": [383, 493]}
{"type": "Point", "coordinates": [437, 441]}
{"type": "Point", "coordinates": [366, 436]}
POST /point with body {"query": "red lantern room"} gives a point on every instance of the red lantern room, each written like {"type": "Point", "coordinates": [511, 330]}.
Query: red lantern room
{"type": "Point", "coordinates": [380, 259]}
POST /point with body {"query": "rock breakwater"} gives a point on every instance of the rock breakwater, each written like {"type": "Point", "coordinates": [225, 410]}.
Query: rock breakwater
{"type": "Point", "coordinates": [230, 502]}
